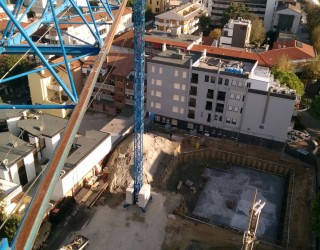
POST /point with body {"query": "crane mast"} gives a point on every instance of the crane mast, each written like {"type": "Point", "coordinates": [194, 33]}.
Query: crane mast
{"type": "Point", "coordinates": [139, 66]}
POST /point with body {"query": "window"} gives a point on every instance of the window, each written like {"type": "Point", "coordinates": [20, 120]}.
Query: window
{"type": "Point", "coordinates": [184, 74]}
{"type": "Point", "coordinates": [238, 97]}
{"type": "Point", "coordinates": [209, 118]}
{"type": "Point", "coordinates": [190, 125]}
{"type": "Point", "coordinates": [157, 3]}
{"type": "Point", "coordinates": [209, 106]}
{"type": "Point", "coordinates": [176, 73]}
{"type": "Point", "coordinates": [158, 93]}
{"type": "Point", "coordinates": [220, 118]}
{"type": "Point", "coordinates": [158, 105]}
{"type": "Point", "coordinates": [176, 86]}
{"type": "Point", "coordinates": [174, 122]}
{"type": "Point", "coordinates": [176, 97]}
{"type": "Point", "coordinates": [243, 98]}
{"type": "Point", "coordinates": [220, 80]}
{"type": "Point", "coordinates": [175, 109]}
{"type": "Point", "coordinates": [194, 78]}
{"type": "Point", "coordinates": [191, 114]}
{"type": "Point", "coordinates": [150, 2]}
{"type": "Point", "coordinates": [193, 90]}
{"type": "Point", "coordinates": [182, 98]}
{"type": "Point", "coordinates": [157, 10]}
{"type": "Point", "coordinates": [152, 81]}
{"type": "Point", "coordinates": [219, 108]}
{"type": "Point", "coordinates": [221, 96]}
{"type": "Point", "coordinates": [157, 118]}
{"type": "Point", "coordinates": [152, 92]}
{"type": "Point", "coordinates": [241, 111]}
{"type": "Point", "coordinates": [192, 102]}
{"type": "Point", "coordinates": [236, 109]}
{"type": "Point", "coordinates": [230, 108]}
{"type": "Point", "coordinates": [206, 78]}
{"type": "Point", "coordinates": [210, 93]}
{"type": "Point", "coordinates": [231, 96]}
{"type": "Point", "coordinates": [181, 110]}
{"type": "Point", "coordinates": [152, 104]}
{"type": "Point", "coordinates": [213, 79]}
{"type": "Point", "coordinates": [226, 82]}
{"type": "Point", "coordinates": [239, 83]}
{"type": "Point", "coordinates": [234, 121]}
{"type": "Point", "coordinates": [159, 82]}
{"type": "Point", "coordinates": [216, 117]}
{"type": "Point", "coordinates": [248, 84]}
{"type": "Point", "coordinates": [152, 69]}
{"type": "Point", "coordinates": [160, 70]}
{"type": "Point", "coordinates": [183, 87]}
{"type": "Point", "coordinates": [234, 83]}
{"type": "Point", "coordinates": [228, 120]}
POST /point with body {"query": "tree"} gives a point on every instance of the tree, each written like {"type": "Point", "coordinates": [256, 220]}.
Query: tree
{"type": "Point", "coordinates": [215, 34]}
{"type": "Point", "coordinates": [284, 64]}
{"type": "Point", "coordinates": [130, 3]}
{"type": "Point", "coordinates": [315, 111]}
{"type": "Point", "coordinates": [316, 38]}
{"type": "Point", "coordinates": [289, 79]}
{"type": "Point", "coordinates": [258, 32]}
{"type": "Point", "coordinates": [313, 16]}
{"type": "Point", "coordinates": [311, 70]}
{"type": "Point", "coordinates": [235, 11]}
{"type": "Point", "coordinates": [204, 23]}
{"type": "Point", "coordinates": [148, 14]}
{"type": "Point", "coordinates": [31, 14]}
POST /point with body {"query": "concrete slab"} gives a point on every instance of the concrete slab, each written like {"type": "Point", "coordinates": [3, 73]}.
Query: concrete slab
{"type": "Point", "coordinates": [238, 184]}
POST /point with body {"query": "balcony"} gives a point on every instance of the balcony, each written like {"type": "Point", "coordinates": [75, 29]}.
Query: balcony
{"type": "Point", "coordinates": [129, 91]}
{"type": "Point", "coordinates": [55, 87]}
{"type": "Point", "coordinates": [100, 96]}
{"type": "Point", "coordinates": [104, 86]}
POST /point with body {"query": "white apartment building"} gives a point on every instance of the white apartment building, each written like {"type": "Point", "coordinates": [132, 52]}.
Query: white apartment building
{"type": "Point", "coordinates": [186, 17]}
{"type": "Point", "coordinates": [221, 96]}
{"type": "Point", "coordinates": [268, 10]}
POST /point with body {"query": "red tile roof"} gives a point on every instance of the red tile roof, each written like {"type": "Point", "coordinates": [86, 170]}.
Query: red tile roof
{"type": "Point", "coordinates": [123, 63]}
{"type": "Point", "coordinates": [207, 40]}
{"type": "Point", "coordinates": [230, 52]}
{"type": "Point", "coordinates": [4, 23]}
{"type": "Point", "coordinates": [124, 40]}
{"type": "Point", "coordinates": [267, 58]}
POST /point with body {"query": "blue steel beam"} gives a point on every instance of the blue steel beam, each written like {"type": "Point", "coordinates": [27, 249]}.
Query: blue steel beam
{"type": "Point", "coordinates": [93, 20]}
{"type": "Point", "coordinates": [18, 38]}
{"type": "Point", "coordinates": [42, 58]}
{"type": "Point", "coordinates": [139, 43]}
{"type": "Point", "coordinates": [108, 9]}
{"type": "Point", "coordinates": [64, 54]}
{"type": "Point", "coordinates": [75, 50]}
{"type": "Point", "coordinates": [9, 27]}
{"type": "Point", "coordinates": [32, 219]}
{"type": "Point", "coordinates": [7, 79]}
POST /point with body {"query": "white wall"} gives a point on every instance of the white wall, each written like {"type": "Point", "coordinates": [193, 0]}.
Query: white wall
{"type": "Point", "coordinates": [277, 120]}
{"type": "Point", "coordinates": [4, 174]}
{"type": "Point", "coordinates": [14, 174]}
{"type": "Point", "coordinates": [12, 126]}
{"type": "Point", "coordinates": [51, 144]}
{"type": "Point", "coordinates": [63, 186]}
{"type": "Point", "coordinates": [30, 167]}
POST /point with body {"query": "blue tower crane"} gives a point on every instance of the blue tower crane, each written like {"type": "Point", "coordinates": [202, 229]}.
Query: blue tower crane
{"type": "Point", "coordinates": [139, 66]}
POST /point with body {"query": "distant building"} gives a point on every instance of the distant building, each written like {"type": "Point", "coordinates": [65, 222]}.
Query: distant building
{"type": "Point", "coordinates": [81, 31]}
{"type": "Point", "coordinates": [114, 87]}
{"type": "Point", "coordinates": [220, 95]}
{"type": "Point", "coordinates": [186, 17]}
{"type": "Point", "coordinates": [158, 6]}
{"type": "Point", "coordinates": [277, 15]}
{"type": "Point", "coordinates": [17, 164]}
{"type": "Point", "coordinates": [236, 33]}
{"type": "Point", "coordinates": [44, 89]}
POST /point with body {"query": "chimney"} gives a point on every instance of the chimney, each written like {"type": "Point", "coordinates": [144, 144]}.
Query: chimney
{"type": "Point", "coordinates": [204, 53]}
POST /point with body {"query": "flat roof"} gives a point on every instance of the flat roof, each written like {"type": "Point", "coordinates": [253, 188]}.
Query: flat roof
{"type": "Point", "coordinates": [44, 124]}
{"type": "Point", "coordinates": [12, 148]}
{"type": "Point", "coordinates": [84, 145]}
{"type": "Point", "coordinates": [6, 114]}
{"type": "Point", "coordinates": [173, 57]}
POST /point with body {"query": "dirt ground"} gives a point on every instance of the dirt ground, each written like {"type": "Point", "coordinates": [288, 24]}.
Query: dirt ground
{"type": "Point", "coordinates": [160, 229]}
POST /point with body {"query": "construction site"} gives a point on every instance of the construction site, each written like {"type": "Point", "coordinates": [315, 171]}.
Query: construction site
{"type": "Point", "coordinates": [202, 192]}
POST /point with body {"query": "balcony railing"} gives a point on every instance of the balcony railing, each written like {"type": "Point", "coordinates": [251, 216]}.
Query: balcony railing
{"type": "Point", "coordinates": [104, 86]}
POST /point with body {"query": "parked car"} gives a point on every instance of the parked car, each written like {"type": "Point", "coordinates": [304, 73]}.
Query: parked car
{"type": "Point", "coordinates": [62, 209]}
